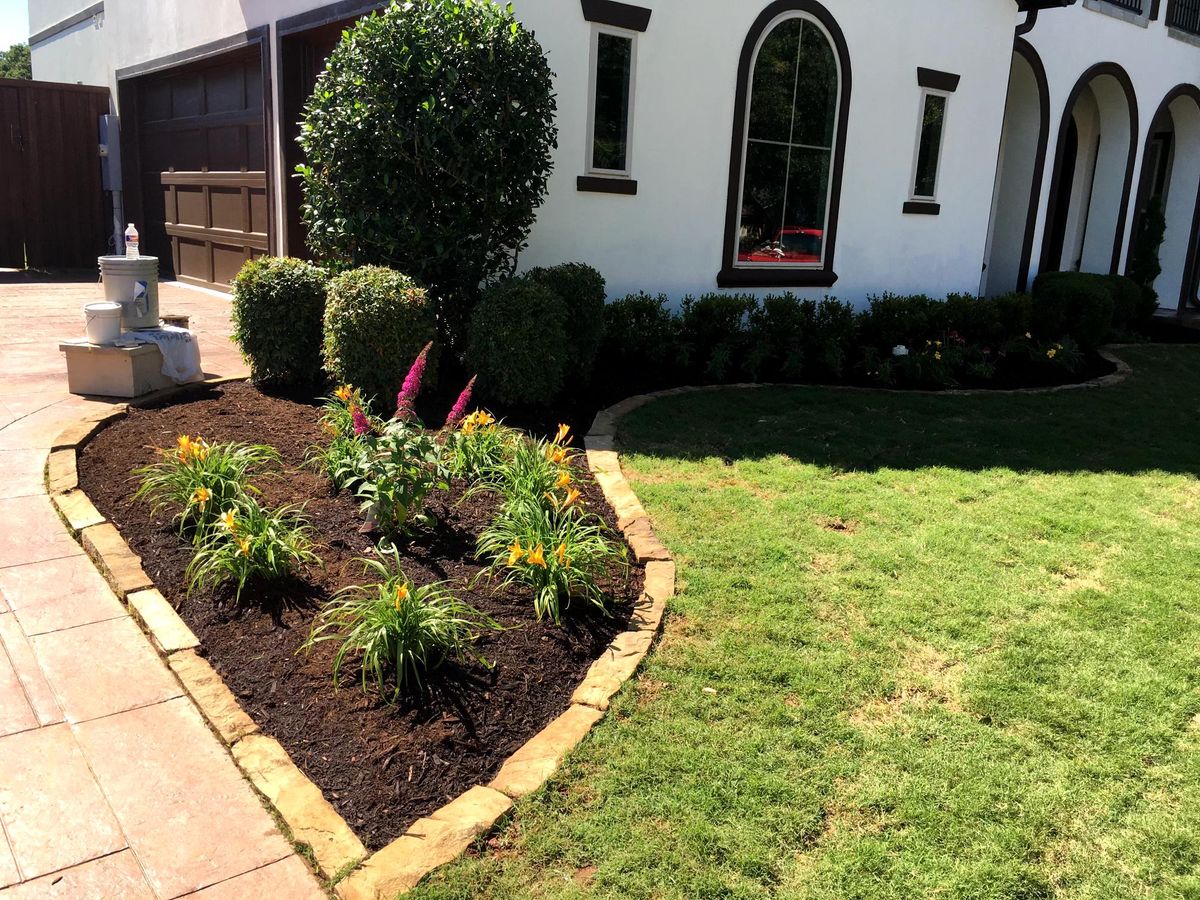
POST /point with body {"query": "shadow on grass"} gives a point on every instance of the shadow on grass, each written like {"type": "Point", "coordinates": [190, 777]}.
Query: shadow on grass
{"type": "Point", "coordinates": [1149, 422]}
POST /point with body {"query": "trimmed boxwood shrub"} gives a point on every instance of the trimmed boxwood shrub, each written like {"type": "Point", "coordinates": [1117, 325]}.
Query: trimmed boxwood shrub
{"type": "Point", "coordinates": [581, 288]}
{"type": "Point", "coordinates": [278, 307]}
{"type": "Point", "coordinates": [1078, 304]}
{"type": "Point", "coordinates": [895, 319]}
{"type": "Point", "coordinates": [641, 348]}
{"type": "Point", "coordinates": [376, 322]}
{"type": "Point", "coordinates": [427, 144]}
{"type": "Point", "coordinates": [989, 321]}
{"type": "Point", "coordinates": [713, 328]}
{"type": "Point", "coordinates": [517, 342]}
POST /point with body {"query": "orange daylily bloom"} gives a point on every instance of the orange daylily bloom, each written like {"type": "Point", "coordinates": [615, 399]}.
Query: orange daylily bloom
{"type": "Point", "coordinates": [515, 552]}
{"type": "Point", "coordinates": [185, 446]}
{"type": "Point", "coordinates": [344, 393]}
{"type": "Point", "coordinates": [557, 455]}
{"type": "Point", "coordinates": [572, 495]}
{"type": "Point", "coordinates": [537, 557]}
{"type": "Point", "coordinates": [401, 595]}
{"type": "Point", "coordinates": [563, 435]}
{"type": "Point", "coordinates": [244, 546]}
{"type": "Point", "coordinates": [201, 496]}
{"type": "Point", "coordinates": [561, 553]}
{"type": "Point", "coordinates": [564, 478]}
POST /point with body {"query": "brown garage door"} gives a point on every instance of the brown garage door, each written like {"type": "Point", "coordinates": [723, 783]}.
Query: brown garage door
{"type": "Point", "coordinates": [202, 167]}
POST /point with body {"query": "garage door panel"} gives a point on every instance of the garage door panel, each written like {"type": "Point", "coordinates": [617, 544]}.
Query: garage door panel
{"type": "Point", "coordinates": [203, 166]}
{"type": "Point", "coordinates": [227, 149]}
{"type": "Point", "coordinates": [226, 90]}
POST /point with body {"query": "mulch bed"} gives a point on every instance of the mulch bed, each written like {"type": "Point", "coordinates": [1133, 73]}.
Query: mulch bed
{"type": "Point", "coordinates": [382, 766]}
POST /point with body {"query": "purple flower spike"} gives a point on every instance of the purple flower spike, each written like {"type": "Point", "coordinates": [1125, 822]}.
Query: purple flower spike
{"type": "Point", "coordinates": [460, 405]}
{"type": "Point", "coordinates": [362, 424]}
{"type": "Point", "coordinates": [412, 384]}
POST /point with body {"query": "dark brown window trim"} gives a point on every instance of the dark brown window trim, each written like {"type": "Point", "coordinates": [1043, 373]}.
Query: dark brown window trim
{"type": "Point", "coordinates": [772, 278]}
{"type": "Point", "coordinates": [1025, 49]}
{"type": "Point", "coordinates": [618, 15]}
{"type": "Point", "coordinates": [596, 184]}
{"type": "Point", "coordinates": [938, 81]}
{"type": "Point", "coordinates": [922, 208]}
{"type": "Point", "coordinates": [1123, 79]}
{"type": "Point", "coordinates": [1191, 266]}
{"type": "Point", "coordinates": [730, 275]}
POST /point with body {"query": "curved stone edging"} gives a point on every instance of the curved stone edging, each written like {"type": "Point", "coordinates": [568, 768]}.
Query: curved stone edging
{"type": "Point", "coordinates": [442, 836]}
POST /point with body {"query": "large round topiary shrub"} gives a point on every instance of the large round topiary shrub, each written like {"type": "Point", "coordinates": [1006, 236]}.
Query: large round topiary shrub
{"type": "Point", "coordinates": [376, 322]}
{"type": "Point", "coordinates": [582, 289]}
{"type": "Point", "coordinates": [278, 307]}
{"type": "Point", "coordinates": [427, 142]}
{"type": "Point", "coordinates": [518, 342]}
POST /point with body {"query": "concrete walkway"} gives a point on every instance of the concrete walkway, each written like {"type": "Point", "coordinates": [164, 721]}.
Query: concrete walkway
{"type": "Point", "coordinates": [111, 785]}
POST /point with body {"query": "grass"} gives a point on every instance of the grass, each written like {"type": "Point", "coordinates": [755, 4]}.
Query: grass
{"type": "Point", "coordinates": [924, 647]}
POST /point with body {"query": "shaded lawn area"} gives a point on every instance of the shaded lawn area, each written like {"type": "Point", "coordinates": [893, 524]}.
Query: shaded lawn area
{"type": "Point", "coordinates": [925, 646]}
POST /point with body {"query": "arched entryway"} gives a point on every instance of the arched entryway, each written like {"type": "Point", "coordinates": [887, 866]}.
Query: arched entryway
{"type": "Point", "coordinates": [1022, 162]}
{"type": "Point", "coordinates": [1093, 174]}
{"type": "Point", "coordinates": [1171, 173]}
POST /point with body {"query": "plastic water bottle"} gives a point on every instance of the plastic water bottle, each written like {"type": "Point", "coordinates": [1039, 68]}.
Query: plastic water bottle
{"type": "Point", "coordinates": [131, 242]}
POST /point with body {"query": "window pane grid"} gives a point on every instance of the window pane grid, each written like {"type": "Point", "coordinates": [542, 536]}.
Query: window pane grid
{"type": "Point", "coordinates": [785, 184]}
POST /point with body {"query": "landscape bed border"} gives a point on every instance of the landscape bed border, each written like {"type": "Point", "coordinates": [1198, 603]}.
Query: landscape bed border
{"type": "Point", "coordinates": [431, 841]}
{"type": "Point", "coordinates": [445, 834]}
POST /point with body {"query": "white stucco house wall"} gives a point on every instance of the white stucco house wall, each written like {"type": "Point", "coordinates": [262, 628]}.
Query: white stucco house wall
{"type": "Point", "coordinates": [927, 146]}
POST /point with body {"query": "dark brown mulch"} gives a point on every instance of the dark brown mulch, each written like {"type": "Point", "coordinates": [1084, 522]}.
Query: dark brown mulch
{"type": "Point", "coordinates": [382, 766]}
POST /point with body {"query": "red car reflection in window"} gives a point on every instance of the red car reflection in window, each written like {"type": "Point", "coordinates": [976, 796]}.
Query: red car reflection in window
{"type": "Point", "coordinates": [791, 245]}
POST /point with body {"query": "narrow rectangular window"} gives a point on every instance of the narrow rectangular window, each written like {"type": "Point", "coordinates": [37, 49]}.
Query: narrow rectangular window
{"type": "Point", "coordinates": [612, 101]}
{"type": "Point", "coordinates": [929, 146]}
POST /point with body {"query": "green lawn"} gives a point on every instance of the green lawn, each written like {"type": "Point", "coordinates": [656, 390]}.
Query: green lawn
{"type": "Point", "coordinates": [924, 647]}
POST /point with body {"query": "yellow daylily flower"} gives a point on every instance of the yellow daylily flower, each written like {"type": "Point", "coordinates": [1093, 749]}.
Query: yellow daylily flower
{"type": "Point", "coordinates": [515, 553]}
{"type": "Point", "coordinates": [201, 496]}
{"type": "Point", "coordinates": [937, 355]}
{"type": "Point", "coordinates": [564, 478]}
{"type": "Point", "coordinates": [199, 449]}
{"type": "Point", "coordinates": [227, 519]}
{"type": "Point", "coordinates": [557, 455]}
{"type": "Point", "coordinates": [562, 436]}
{"type": "Point", "coordinates": [561, 553]}
{"type": "Point", "coordinates": [572, 495]}
{"type": "Point", "coordinates": [344, 393]}
{"type": "Point", "coordinates": [184, 443]}
{"type": "Point", "coordinates": [401, 595]}
{"type": "Point", "coordinates": [244, 546]}
{"type": "Point", "coordinates": [1051, 353]}
{"type": "Point", "coordinates": [537, 557]}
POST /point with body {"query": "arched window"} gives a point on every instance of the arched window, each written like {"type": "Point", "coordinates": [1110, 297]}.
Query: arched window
{"type": "Point", "coordinates": [788, 147]}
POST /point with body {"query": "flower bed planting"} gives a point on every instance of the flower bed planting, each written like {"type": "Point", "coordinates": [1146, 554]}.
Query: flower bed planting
{"type": "Point", "coordinates": [385, 749]}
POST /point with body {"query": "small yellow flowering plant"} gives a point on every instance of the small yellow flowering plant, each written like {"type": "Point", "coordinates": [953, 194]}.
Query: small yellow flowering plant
{"type": "Point", "coordinates": [477, 445]}
{"type": "Point", "coordinates": [543, 536]}
{"type": "Point", "coordinates": [397, 630]}
{"type": "Point", "coordinates": [199, 479]}
{"type": "Point", "coordinates": [251, 543]}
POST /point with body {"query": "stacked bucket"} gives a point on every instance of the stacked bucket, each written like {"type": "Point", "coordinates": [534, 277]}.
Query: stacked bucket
{"type": "Point", "coordinates": [130, 298]}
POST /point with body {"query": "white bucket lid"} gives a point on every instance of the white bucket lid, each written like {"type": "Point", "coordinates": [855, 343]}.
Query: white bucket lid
{"type": "Point", "coordinates": [102, 307]}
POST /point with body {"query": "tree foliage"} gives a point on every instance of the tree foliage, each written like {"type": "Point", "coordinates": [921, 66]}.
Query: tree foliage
{"type": "Point", "coordinates": [15, 62]}
{"type": "Point", "coordinates": [428, 143]}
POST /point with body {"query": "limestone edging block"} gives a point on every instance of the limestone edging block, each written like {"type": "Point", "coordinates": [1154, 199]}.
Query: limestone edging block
{"type": "Point", "coordinates": [210, 693]}
{"type": "Point", "coordinates": [311, 817]}
{"type": "Point", "coordinates": [61, 474]}
{"type": "Point", "coordinates": [77, 509]}
{"type": "Point", "coordinates": [158, 616]}
{"type": "Point", "coordinates": [116, 562]}
{"type": "Point", "coordinates": [529, 768]}
{"type": "Point", "coordinates": [430, 842]}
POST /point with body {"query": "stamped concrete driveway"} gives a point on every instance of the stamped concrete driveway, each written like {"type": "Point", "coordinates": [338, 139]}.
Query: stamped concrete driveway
{"type": "Point", "coordinates": [111, 785]}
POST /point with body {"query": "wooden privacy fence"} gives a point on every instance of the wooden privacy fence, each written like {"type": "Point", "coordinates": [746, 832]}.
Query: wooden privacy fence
{"type": "Point", "coordinates": [53, 212]}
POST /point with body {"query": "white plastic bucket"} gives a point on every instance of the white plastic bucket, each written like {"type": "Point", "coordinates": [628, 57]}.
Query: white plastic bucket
{"type": "Point", "coordinates": [132, 282]}
{"type": "Point", "coordinates": [103, 322]}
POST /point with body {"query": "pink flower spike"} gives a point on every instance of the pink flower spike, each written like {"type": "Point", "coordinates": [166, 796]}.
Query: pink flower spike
{"type": "Point", "coordinates": [412, 384]}
{"type": "Point", "coordinates": [460, 405]}
{"type": "Point", "coordinates": [361, 423]}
